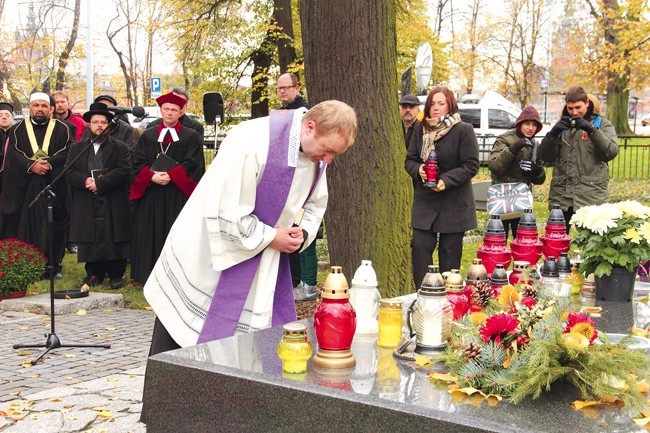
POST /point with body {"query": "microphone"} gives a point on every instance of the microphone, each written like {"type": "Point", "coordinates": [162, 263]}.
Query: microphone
{"type": "Point", "coordinates": [136, 110]}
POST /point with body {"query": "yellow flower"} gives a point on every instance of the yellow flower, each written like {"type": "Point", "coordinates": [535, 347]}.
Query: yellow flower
{"type": "Point", "coordinates": [575, 340]}
{"type": "Point", "coordinates": [632, 235]}
{"type": "Point", "coordinates": [509, 295]}
{"type": "Point", "coordinates": [584, 328]}
{"type": "Point", "coordinates": [478, 318]}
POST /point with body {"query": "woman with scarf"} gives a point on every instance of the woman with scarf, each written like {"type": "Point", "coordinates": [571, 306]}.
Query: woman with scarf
{"type": "Point", "coordinates": [441, 214]}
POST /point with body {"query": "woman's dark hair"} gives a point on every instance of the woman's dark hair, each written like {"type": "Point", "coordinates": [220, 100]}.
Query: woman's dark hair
{"type": "Point", "coordinates": [449, 96]}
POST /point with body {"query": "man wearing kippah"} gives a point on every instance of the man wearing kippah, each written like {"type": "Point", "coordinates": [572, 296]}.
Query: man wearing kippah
{"type": "Point", "coordinates": [167, 164]}
{"type": "Point", "coordinates": [6, 121]}
{"type": "Point", "coordinates": [36, 153]}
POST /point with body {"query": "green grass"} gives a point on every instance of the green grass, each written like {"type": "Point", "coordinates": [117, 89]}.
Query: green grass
{"type": "Point", "coordinates": [74, 272]}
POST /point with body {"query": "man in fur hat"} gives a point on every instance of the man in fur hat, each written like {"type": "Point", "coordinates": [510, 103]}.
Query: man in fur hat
{"type": "Point", "coordinates": [167, 165]}
{"type": "Point", "coordinates": [579, 146]}
{"type": "Point", "coordinates": [99, 177]}
{"type": "Point", "coordinates": [36, 153]}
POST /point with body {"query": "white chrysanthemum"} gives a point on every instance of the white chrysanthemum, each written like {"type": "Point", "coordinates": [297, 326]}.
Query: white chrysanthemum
{"type": "Point", "coordinates": [634, 209]}
{"type": "Point", "coordinates": [598, 219]}
{"type": "Point", "coordinates": [644, 230]}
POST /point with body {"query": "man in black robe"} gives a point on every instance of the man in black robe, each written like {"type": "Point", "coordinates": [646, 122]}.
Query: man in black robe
{"type": "Point", "coordinates": [6, 122]}
{"type": "Point", "coordinates": [184, 119]}
{"type": "Point", "coordinates": [167, 164]}
{"type": "Point", "coordinates": [36, 153]}
{"type": "Point", "coordinates": [100, 214]}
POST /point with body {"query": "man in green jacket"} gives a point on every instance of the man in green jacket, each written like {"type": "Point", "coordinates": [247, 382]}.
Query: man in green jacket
{"type": "Point", "coordinates": [579, 146]}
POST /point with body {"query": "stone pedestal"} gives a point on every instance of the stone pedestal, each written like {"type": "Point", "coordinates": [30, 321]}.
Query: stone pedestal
{"type": "Point", "coordinates": [237, 385]}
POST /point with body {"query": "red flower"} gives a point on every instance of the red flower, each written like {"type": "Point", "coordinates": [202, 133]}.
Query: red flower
{"type": "Point", "coordinates": [529, 301]}
{"type": "Point", "coordinates": [498, 327]}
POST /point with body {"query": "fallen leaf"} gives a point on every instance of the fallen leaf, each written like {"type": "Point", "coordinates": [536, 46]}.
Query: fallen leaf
{"type": "Point", "coordinates": [46, 319]}
{"type": "Point", "coordinates": [81, 312]}
{"type": "Point", "coordinates": [55, 400]}
{"type": "Point", "coordinates": [112, 379]}
{"type": "Point", "coordinates": [27, 363]}
{"type": "Point", "coordinates": [579, 404]}
{"type": "Point", "coordinates": [24, 353]}
{"type": "Point", "coordinates": [105, 414]}
{"type": "Point", "coordinates": [18, 392]}
{"type": "Point", "coordinates": [64, 410]}
{"type": "Point", "coordinates": [98, 408]}
{"type": "Point", "coordinates": [111, 329]}
{"type": "Point", "coordinates": [34, 376]}
{"type": "Point", "coordinates": [641, 421]}
{"type": "Point", "coordinates": [23, 328]}
{"type": "Point", "coordinates": [2, 413]}
{"type": "Point", "coordinates": [422, 360]}
{"type": "Point", "coordinates": [69, 378]}
{"type": "Point", "coordinates": [107, 310]}
{"type": "Point", "coordinates": [468, 391]}
{"type": "Point", "coordinates": [493, 399]}
{"type": "Point", "coordinates": [643, 387]}
{"type": "Point", "coordinates": [68, 406]}
{"type": "Point", "coordinates": [148, 309]}
{"type": "Point", "coordinates": [70, 355]}
{"type": "Point", "coordinates": [443, 377]}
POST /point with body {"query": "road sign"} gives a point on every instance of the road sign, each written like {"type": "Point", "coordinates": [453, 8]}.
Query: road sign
{"type": "Point", "coordinates": [156, 87]}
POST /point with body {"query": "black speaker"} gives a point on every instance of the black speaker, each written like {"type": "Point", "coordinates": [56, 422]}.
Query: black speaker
{"type": "Point", "coordinates": [212, 107]}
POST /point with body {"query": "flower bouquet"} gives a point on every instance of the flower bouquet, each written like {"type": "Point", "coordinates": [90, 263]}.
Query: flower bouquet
{"type": "Point", "coordinates": [525, 339]}
{"type": "Point", "coordinates": [612, 235]}
{"type": "Point", "coordinates": [21, 264]}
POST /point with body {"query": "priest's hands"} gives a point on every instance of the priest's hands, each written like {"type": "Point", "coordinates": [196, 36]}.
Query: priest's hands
{"type": "Point", "coordinates": [160, 178]}
{"type": "Point", "coordinates": [90, 185]}
{"type": "Point", "coordinates": [287, 239]}
{"type": "Point", "coordinates": [40, 167]}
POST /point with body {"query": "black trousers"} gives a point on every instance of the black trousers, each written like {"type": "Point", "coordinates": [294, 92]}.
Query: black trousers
{"type": "Point", "coordinates": [296, 270]}
{"type": "Point", "coordinates": [423, 244]}
{"type": "Point", "coordinates": [567, 217]}
{"type": "Point", "coordinates": [161, 341]}
{"type": "Point", "coordinates": [511, 225]}
{"type": "Point", "coordinates": [112, 268]}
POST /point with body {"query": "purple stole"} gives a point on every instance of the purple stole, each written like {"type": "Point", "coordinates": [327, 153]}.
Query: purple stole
{"type": "Point", "coordinates": [235, 282]}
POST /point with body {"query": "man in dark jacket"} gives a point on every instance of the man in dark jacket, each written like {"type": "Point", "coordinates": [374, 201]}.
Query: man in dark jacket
{"type": "Point", "coordinates": [579, 146]}
{"type": "Point", "coordinates": [63, 112]}
{"type": "Point", "coordinates": [99, 176]}
{"type": "Point", "coordinates": [409, 107]}
{"type": "Point", "coordinates": [289, 92]}
{"type": "Point", "coordinates": [514, 157]}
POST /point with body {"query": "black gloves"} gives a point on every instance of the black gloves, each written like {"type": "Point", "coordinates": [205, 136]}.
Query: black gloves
{"type": "Point", "coordinates": [562, 125]}
{"type": "Point", "coordinates": [583, 124]}
{"type": "Point", "coordinates": [523, 142]}
{"type": "Point", "coordinates": [529, 166]}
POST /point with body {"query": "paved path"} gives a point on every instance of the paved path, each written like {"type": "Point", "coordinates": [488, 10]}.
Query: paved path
{"type": "Point", "coordinates": [74, 389]}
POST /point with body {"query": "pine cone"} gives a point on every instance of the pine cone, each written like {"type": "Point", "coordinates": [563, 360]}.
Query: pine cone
{"type": "Point", "coordinates": [472, 351]}
{"type": "Point", "coordinates": [528, 291]}
{"type": "Point", "coordinates": [482, 293]}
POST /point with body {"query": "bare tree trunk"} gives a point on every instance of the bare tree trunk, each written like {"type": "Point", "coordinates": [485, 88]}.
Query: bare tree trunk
{"type": "Point", "coordinates": [65, 55]}
{"type": "Point", "coordinates": [350, 55]}
{"type": "Point", "coordinates": [285, 42]}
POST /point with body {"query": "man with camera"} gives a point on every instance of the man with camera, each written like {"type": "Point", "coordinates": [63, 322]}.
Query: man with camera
{"type": "Point", "coordinates": [579, 146]}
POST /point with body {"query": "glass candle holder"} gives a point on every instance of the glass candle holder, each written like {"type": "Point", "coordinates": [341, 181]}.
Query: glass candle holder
{"type": "Point", "coordinates": [294, 349]}
{"type": "Point", "coordinates": [390, 323]}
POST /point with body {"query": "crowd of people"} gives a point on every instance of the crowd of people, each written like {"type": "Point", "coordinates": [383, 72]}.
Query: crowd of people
{"type": "Point", "coordinates": [113, 197]}
{"type": "Point", "coordinates": [578, 147]}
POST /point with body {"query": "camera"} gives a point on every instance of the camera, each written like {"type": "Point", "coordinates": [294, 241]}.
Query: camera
{"type": "Point", "coordinates": [573, 122]}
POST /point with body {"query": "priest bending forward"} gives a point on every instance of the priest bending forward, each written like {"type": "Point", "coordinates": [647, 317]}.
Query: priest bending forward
{"type": "Point", "coordinates": [224, 268]}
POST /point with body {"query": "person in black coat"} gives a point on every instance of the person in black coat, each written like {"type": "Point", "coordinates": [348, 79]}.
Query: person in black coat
{"type": "Point", "coordinates": [99, 177]}
{"type": "Point", "coordinates": [445, 211]}
{"type": "Point", "coordinates": [185, 120]}
{"type": "Point", "coordinates": [288, 89]}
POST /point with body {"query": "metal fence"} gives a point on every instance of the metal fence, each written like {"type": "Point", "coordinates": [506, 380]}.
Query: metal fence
{"type": "Point", "coordinates": [632, 161]}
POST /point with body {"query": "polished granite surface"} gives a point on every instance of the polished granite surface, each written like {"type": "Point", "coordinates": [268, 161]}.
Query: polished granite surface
{"type": "Point", "coordinates": [237, 385]}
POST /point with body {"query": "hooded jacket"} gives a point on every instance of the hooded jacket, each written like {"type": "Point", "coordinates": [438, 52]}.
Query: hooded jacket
{"type": "Point", "coordinates": [580, 170]}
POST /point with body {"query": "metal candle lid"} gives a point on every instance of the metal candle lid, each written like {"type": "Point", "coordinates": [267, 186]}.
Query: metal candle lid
{"type": "Point", "coordinates": [495, 226]}
{"type": "Point", "coordinates": [527, 220]}
{"type": "Point", "coordinates": [336, 285]}
{"type": "Point", "coordinates": [390, 303]}
{"type": "Point", "coordinates": [294, 330]}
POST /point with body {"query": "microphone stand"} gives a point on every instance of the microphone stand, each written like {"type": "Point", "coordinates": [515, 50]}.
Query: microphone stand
{"type": "Point", "coordinates": [52, 340]}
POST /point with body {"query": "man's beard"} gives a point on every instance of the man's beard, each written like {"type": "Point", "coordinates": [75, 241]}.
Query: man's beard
{"type": "Point", "coordinates": [40, 119]}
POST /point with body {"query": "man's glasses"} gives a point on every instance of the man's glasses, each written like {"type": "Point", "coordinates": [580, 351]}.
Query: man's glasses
{"type": "Point", "coordinates": [285, 88]}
